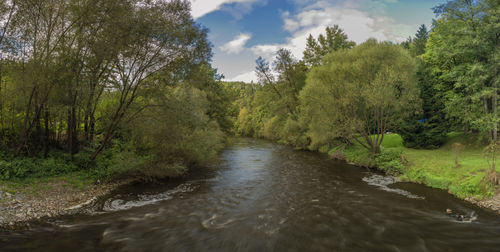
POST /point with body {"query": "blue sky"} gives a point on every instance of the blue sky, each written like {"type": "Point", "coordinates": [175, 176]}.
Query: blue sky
{"type": "Point", "coordinates": [242, 30]}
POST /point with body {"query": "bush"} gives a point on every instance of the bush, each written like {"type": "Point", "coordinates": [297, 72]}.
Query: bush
{"type": "Point", "coordinates": [359, 156]}
{"type": "Point", "coordinates": [389, 160]}
{"type": "Point", "coordinates": [34, 167]}
{"type": "Point", "coordinates": [124, 163]}
{"type": "Point", "coordinates": [272, 127]}
{"type": "Point", "coordinates": [294, 134]}
{"type": "Point", "coordinates": [163, 170]}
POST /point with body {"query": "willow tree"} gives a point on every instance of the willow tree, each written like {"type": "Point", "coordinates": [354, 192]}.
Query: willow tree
{"type": "Point", "coordinates": [359, 94]}
{"type": "Point", "coordinates": [155, 36]}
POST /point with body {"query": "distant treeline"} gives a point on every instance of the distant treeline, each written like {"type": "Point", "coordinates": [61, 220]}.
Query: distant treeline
{"type": "Point", "coordinates": [438, 81]}
{"type": "Point", "coordinates": [126, 86]}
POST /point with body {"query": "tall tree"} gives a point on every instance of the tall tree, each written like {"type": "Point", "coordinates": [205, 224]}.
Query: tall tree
{"type": "Point", "coordinates": [420, 40]}
{"type": "Point", "coordinates": [359, 94]}
{"type": "Point", "coordinates": [335, 39]}
{"type": "Point", "coordinates": [460, 50]}
{"type": "Point", "coordinates": [427, 127]}
{"type": "Point", "coordinates": [156, 35]}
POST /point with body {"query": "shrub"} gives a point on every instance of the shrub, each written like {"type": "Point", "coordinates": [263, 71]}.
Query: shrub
{"type": "Point", "coordinates": [360, 156]}
{"type": "Point", "coordinates": [294, 134]}
{"type": "Point", "coordinates": [34, 167]}
{"type": "Point", "coordinates": [389, 160]}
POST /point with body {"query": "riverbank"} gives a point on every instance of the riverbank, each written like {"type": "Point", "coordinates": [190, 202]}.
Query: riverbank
{"type": "Point", "coordinates": [281, 200]}
{"type": "Point", "coordinates": [434, 168]}
{"type": "Point", "coordinates": [31, 200]}
{"type": "Point", "coordinates": [27, 202]}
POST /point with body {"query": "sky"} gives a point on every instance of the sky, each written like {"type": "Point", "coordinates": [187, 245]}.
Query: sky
{"type": "Point", "coordinates": [243, 30]}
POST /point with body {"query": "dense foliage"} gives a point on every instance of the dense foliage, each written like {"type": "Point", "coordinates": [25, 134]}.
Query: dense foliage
{"type": "Point", "coordinates": [126, 87]}
{"type": "Point", "coordinates": [127, 81]}
{"type": "Point", "coordinates": [345, 98]}
{"type": "Point", "coordinates": [357, 93]}
{"type": "Point", "coordinates": [455, 76]}
{"type": "Point", "coordinates": [425, 128]}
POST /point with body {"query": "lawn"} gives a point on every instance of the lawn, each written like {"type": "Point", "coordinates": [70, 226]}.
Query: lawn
{"type": "Point", "coordinates": [435, 168]}
{"type": "Point", "coordinates": [77, 180]}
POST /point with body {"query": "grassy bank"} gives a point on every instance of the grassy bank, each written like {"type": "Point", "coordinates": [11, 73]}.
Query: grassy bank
{"type": "Point", "coordinates": [33, 186]}
{"type": "Point", "coordinates": [29, 175]}
{"type": "Point", "coordinates": [434, 168]}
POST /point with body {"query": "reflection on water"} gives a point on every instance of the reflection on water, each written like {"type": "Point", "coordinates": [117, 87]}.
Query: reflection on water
{"type": "Point", "coordinates": [265, 197]}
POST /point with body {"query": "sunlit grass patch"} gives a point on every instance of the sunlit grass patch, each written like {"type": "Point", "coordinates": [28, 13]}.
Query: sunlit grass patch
{"type": "Point", "coordinates": [392, 141]}
{"type": "Point", "coordinates": [434, 168]}
{"type": "Point", "coordinates": [77, 180]}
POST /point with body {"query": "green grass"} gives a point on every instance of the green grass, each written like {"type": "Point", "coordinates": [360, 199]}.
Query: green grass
{"type": "Point", "coordinates": [392, 141]}
{"type": "Point", "coordinates": [434, 168]}
{"type": "Point", "coordinates": [34, 186]}
{"type": "Point", "coordinates": [437, 168]}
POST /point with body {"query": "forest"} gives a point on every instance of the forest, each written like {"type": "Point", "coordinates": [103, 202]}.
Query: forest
{"type": "Point", "coordinates": [106, 87]}
{"type": "Point", "coordinates": [425, 109]}
{"type": "Point", "coordinates": [126, 88]}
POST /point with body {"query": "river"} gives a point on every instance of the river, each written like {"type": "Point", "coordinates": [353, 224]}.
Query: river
{"type": "Point", "coordinates": [261, 196]}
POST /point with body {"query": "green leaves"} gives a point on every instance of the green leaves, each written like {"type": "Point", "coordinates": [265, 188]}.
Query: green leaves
{"type": "Point", "coordinates": [363, 91]}
{"type": "Point", "coordinates": [335, 40]}
{"type": "Point", "coordinates": [462, 52]}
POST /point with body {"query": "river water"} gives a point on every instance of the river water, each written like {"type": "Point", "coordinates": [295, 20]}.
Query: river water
{"type": "Point", "coordinates": [260, 196]}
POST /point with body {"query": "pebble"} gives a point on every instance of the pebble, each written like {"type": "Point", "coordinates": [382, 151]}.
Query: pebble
{"type": "Point", "coordinates": [52, 202]}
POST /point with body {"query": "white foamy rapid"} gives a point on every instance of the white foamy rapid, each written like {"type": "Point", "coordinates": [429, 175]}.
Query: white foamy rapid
{"type": "Point", "coordinates": [382, 183]}
{"type": "Point", "coordinates": [116, 204]}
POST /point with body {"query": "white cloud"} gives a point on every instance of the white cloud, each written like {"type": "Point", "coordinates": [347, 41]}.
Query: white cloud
{"type": "Point", "coordinates": [237, 44]}
{"type": "Point", "coordinates": [360, 20]}
{"type": "Point", "coordinates": [314, 18]}
{"type": "Point", "coordinates": [200, 8]}
{"type": "Point", "coordinates": [245, 77]}
{"type": "Point", "coordinates": [266, 51]}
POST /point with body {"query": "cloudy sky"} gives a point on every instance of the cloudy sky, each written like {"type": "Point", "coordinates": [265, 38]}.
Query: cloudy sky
{"type": "Point", "coordinates": [242, 30]}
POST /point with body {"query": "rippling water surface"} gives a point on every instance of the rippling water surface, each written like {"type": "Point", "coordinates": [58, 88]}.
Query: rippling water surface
{"type": "Point", "coordinates": [261, 196]}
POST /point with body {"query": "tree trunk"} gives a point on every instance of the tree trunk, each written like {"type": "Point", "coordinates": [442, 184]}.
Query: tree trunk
{"type": "Point", "coordinates": [47, 133]}
{"type": "Point", "coordinates": [494, 103]}
{"type": "Point", "coordinates": [486, 111]}
{"type": "Point", "coordinates": [72, 132]}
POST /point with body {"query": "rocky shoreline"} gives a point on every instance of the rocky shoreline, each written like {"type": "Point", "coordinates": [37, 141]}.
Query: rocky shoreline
{"type": "Point", "coordinates": [18, 211]}
{"type": "Point", "coordinates": [492, 203]}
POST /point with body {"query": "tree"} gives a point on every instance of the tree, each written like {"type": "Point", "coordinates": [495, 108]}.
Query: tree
{"type": "Point", "coordinates": [156, 35]}
{"type": "Point", "coordinates": [459, 50]}
{"type": "Point", "coordinates": [359, 94]}
{"type": "Point", "coordinates": [427, 127]}
{"type": "Point", "coordinates": [335, 40]}
{"type": "Point", "coordinates": [174, 133]}
{"type": "Point", "coordinates": [277, 101]}
{"type": "Point", "coordinates": [65, 55]}
{"type": "Point", "coordinates": [418, 43]}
